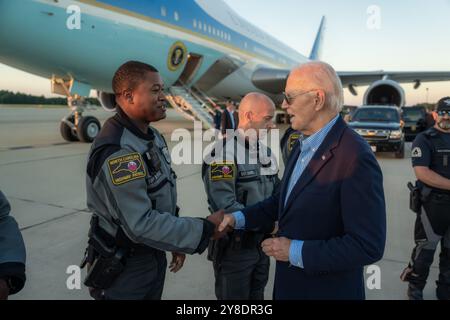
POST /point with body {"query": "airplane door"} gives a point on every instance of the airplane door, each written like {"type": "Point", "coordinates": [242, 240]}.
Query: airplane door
{"type": "Point", "coordinates": [190, 69]}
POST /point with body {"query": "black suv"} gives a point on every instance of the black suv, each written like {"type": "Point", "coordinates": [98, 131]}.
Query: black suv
{"type": "Point", "coordinates": [381, 127]}
{"type": "Point", "coordinates": [415, 119]}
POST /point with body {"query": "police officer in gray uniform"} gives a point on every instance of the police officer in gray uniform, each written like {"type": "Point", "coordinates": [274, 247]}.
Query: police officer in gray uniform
{"type": "Point", "coordinates": [431, 202]}
{"type": "Point", "coordinates": [12, 252]}
{"type": "Point", "coordinates": [232, 182]}
{"type": "Point", "coordinates": [131, 191]}
{"type": "Point", "coordinates": [290, 137]}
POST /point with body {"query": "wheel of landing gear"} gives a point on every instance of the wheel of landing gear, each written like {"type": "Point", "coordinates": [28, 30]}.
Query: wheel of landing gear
{"type": "Point", "coordinates": [88, 128]}
{"type": "Point", "coordinates": [66, 130]}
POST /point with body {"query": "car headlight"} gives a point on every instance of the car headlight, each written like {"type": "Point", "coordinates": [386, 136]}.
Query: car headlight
{"type": "Point", "coordinates": [359, 131]}
{"type": "Point", "coordinates": [396, 134]}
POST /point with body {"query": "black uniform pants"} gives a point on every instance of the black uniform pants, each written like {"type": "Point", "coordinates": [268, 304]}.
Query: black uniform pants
{"type": "Point", "coordinates": [242, 274]}
{"type": "Point", "coordinates": [432, 226]}
{"type": "Point", "coordinates": [142, 279]}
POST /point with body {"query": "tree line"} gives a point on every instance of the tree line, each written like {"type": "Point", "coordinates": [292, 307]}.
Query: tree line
{"type": "Point", "coordinates": [8, 97]}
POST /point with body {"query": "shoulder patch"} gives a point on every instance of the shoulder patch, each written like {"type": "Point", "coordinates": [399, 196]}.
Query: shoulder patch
{"type": "Point", "coordinates": [126, 168]}
{"type": "Point", "coordinates": [292, 140]}
{"type": "Point", "coordinates": [224, 170]}
{"type": "Point", "coordinates": [416, 153]}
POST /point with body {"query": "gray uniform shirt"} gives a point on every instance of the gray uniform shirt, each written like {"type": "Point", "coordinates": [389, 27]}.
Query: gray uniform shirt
{"type": "Point", "coordinates": [130, 183]}
{"type": "Point", "coordinates": [232, 181]}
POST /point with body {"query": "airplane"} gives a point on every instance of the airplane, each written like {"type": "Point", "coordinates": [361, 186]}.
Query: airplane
{"type": "Point", "coordinates": [203, 49]}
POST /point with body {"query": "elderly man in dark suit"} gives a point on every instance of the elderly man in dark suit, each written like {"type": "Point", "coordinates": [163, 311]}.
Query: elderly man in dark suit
{"type": "Point", "coordinates": [331, 210]}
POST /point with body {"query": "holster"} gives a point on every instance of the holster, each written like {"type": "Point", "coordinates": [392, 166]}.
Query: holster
{"type": "Point", "coordinates": [106, 260]}
{"type": "Point", "coordinates": [418, 196]}
{"type": "Point", "coordinates": [415, 197]}
{"type": "Point", "coordinates": [105, 270]}
{"type": "Point", "coordinates": [216, 250]}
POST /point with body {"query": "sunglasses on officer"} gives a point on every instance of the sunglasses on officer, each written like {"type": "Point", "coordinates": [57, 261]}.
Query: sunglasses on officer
{"type": "Point", "coordinates": [290, 98]}
{"type": "Point", "coordinates": [442, 113]}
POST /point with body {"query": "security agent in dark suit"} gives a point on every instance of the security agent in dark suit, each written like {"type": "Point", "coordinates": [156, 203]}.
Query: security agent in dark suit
{"type": "Point", "coordinates": [230, 118]}
{"type": "Point", "coordinates": [331, 209]}
{"type": "Point", "coordinates": [217, 116]}
{"type": "Point", "coordinates": [12, 252]}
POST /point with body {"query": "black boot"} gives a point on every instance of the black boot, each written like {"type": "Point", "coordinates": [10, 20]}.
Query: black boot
{"type": "Point", "coordinates": [443, 284]}
{"type": "Point", "coordinates": [414, 293]}
{"type": "Point", "coordinates": [442, 291]}
{"type": "Point", "coordinates": [416, 283]}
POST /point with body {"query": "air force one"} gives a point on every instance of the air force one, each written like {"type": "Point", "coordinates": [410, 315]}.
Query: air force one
{"type": "Point", "coordinates": [203, 49]}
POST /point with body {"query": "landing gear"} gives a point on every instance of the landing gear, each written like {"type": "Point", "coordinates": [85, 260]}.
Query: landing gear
{"type": "Point", "coordinates": [67, 129]}
{"type": "Point", "coordinates": [88, 128]}
{"type": "Point", "coordinates": [75, 127]}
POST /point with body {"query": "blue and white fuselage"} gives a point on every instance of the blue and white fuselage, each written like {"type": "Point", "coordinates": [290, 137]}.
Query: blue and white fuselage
{"type": "Point", "coordinates": [199, 43]}
{"type": "Point", "coordinates": [35, 37]}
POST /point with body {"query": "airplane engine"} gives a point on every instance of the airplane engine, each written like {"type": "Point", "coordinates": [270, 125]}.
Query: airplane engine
{"type": "Point", "coordinates": [107, 100]}
{"type": "Point", "coordinates": [385, 92]}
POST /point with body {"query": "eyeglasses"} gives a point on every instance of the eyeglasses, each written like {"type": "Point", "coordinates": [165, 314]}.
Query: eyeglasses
{"type": "Point", "coordinates": [289, 99]}
{"type": "Point", "coordinates": [443, 113]}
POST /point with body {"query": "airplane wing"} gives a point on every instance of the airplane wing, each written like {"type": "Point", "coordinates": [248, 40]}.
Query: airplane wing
{"type": "Point", "coordinates": [366, 78]}
{"type": "Point", "coordinates": [274, 80]}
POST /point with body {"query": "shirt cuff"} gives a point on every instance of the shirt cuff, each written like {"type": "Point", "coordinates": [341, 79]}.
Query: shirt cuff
{"type": "Point", "coordinates": [239, 220]}
{"type": "Point", "coordinates": [295, 253]}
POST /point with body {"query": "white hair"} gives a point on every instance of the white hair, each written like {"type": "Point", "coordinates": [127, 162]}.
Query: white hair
{"type": "Point", "coordinates": [326, 78]}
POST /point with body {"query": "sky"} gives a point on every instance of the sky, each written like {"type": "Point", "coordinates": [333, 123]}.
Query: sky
{"type": "Point", "coordinates": [360, 35]}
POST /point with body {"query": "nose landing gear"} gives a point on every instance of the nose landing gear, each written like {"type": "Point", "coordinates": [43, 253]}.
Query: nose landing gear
{"type": "Point", "coordinates": [75, 127]}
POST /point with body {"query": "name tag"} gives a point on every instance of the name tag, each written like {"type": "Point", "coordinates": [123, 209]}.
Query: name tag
{"type": "Point", "coordinates": [248, 173]}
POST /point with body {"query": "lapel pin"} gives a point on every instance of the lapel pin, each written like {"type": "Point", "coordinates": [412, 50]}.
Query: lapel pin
{"type": "Point", "coordinates": [323, 157]}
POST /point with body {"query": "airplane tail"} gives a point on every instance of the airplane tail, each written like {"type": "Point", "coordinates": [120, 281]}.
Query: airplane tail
{"type": "Point", "coordinates": [316, 51]}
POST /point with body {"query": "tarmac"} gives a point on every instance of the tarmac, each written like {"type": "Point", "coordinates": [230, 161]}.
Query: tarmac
{"type": "Point", "coordinates": [44, 178]}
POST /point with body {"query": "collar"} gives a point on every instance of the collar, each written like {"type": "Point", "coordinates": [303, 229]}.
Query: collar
{"type": "Point", "coordinates": [315, 140]}
{"type": "Point", "coordinates": [123, 118]}
{"type": "Point", "coordinates": [247, 144]}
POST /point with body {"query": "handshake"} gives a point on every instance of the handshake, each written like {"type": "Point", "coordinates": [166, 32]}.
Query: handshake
{"type": "Point", "coordinates": [224, 223]}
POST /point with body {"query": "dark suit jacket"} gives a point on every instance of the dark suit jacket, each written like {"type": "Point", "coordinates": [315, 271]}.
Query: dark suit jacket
{"type": "Point", "coordinates": [226, 121]}
{"type": "Point", "coordinates": [337, 208]}
{"type": "Point", "coordinates": [217, 119]}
